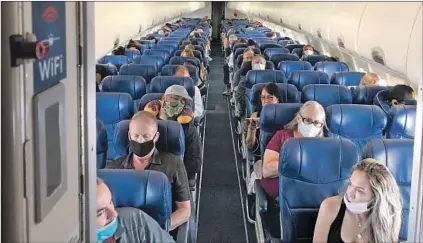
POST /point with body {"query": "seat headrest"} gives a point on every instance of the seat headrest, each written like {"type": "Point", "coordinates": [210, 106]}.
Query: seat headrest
{"type": "Point", "coordinates": [157, 52]}
{"type": "Point", "coordinates": [157, 61]}
{"type": "Point", "coordinates": [365, 94]}
{"type": "Point", "coordinates": [106, 69]}
{"type": "Point", "coordinates": [117, 60]}
{"type": "Point", "coordinates": [147, 98]}
{"type": "Point", "coordinates": [144, 70]}
{"type": "Point", "coordinates": [169, 48]}
{"type": "Point", "coordinates": [301, 78]}
{"type": "Point", "coordinates": [131, 54]}
{"type": "Point", "coordinates": [326, 94]}
{"type": "Point", "coordinates": [291, 47]}
{"type": "Point", "coordinates": [347, 78]}
{"type": "Point", "coordinates": [147, 190]}
{"type": "Point", "coordinates": [397, 155]}
{"type": "Point", "coordinates": [277, 58]}
{"type": "Point", "coordinates": [403, 121]}
{"type": "Point", "coordinates": [161, 83]}
{"type": "Point", "coordinates": [331, 67]}
{"type": "Point", "coordinates": [288, 66]}
{"type": "Point", "coordinates": [269, 52]}
{"type": "Point", "coordinates": [169, 42]}
{"type": "Point", "coordinates": [170, 70]}
{"type": "Point", "coordinates": [239, 45]}
{"type": "Point", "coordinates": [264, 76]}
{"type": "Point", "coordinates": [241, 50]}
{"type": "Point", "coordinates": [171, 139]}
{"type": "Point", "coordinates": [101, 136]}
{"type": "Point", "coordinates": [133, 85]}
{"type": "Point", "coordinates": [359, 123]}
{"type": "Point", "coordinates": [313, 59]}
{"type": "Point", "coordinates": [289, 93]}
{"type": "Point", "coordinates": [265, 45]}
{"type": "Point", "coordinates": [179, 60]}
{"type": "Point", "coordinates": [113, 107]}
{"type": "Point", "coordinates": [275, 116]}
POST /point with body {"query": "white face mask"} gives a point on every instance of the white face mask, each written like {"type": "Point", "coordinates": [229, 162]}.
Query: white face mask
{"type": "Point", "coordinates": [309, 52]}
{"type": "Point", "coordinates": [308, 130]}
{"type": "Point", "coordinates": [258, 66]}
{"type": "Point", "coordinates": [355, 207]}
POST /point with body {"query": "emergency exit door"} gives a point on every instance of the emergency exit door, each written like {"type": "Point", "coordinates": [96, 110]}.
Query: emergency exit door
{"type": "Point", "coordinates": [40, 119]}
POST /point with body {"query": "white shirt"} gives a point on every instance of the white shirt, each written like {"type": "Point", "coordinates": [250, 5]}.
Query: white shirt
{"type": "Point", "coordinates": [199, 107]}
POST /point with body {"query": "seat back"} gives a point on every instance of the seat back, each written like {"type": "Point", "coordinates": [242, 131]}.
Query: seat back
{"type": "Point", "coordinates": [170, 48]}
{"type": "Point", "coordinates": [171, 139]}
{"type": "Point", "coordinates": [291, 47]}
{"type": "Point", "coordinates": [359, 123]}
{"type": "Point", "coordinates": [147, 190]}
{"type": "Point", "coordinates": [269, 52]}
{"type": "Point", "coordinates": [170, 70]}
{"type": "Point", "coordinates": [178, 60]}
{"type": "Point", "coordinates": [175, 44]}
{"type": "Point", "coordinates": [144, 70]}
{"type": "Point", "coordinates": [397, 155]}
{"type": "Point", "coordinates": [161, 83]}
{"type": "Point", "coordinates": [111, 109]}
{"type": "Point", "coordinates": [147, 98]}
{"type": "Point", "coordinates": [326, 94]}
{"type": "Point", "coordinates": [403, 122]}
{"type": "Point", "coordinates": [331, 67]}
{"type": "Point", "coordinates": [365, 94]}
{"type": "Point", "coordinates": [265, 45]}
{"type": "Point", "coordinates": [131, 54]}
{"type": "Point", "coordinates": [301, 78]}
{"type": "Point", "coordinates": [133, 85]}
{"type": "Point", "coordinates": [277, 58]}
{"type": "Point", "coordinates": [264, 76]}
{"type": "Point", "coordinates": [101, 136]}
{"type": "Point", "coordinates": [288, 66]}
{"type": "Point", "coordinates": [106, 69]}
{"type": "Point", "coordinates": [197, 54]}
{"type": "Point", "coordinates": [289, 93]}
{"type": "Point", "coordinates": [347, 78]}
{"type": "Point", "coordinates": [313, 59]}
{"type": "Point", "coordinates": [117, 60]}
{"type": "Point", "coordinates": [274, 117]}
{"type": "Point", "coordinates": [157, 52]}
{"type": "Point", "coordinates": [157, 61]}
{"type": "Point", "coordinates": [315, 168]}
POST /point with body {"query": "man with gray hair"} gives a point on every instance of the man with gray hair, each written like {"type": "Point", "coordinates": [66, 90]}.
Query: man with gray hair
{"type": "Point", "coordinates": [124, 225]}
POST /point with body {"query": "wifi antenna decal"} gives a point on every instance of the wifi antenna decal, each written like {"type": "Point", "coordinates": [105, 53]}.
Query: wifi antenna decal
{"type": "Point", "coordinates": [50, 15]}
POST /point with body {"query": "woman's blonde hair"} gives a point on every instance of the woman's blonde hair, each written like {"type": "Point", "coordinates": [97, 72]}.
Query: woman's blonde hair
{"type": "Point", "coordinates": [386, 206]}
{"type": "Point", "coordinates": [369, 79]}
{"type": "Point", "coordinates": [293, 124]}
{"type": "Point", "coordinates": [189, 47]}
{"type": "Point", "coordinates": [189, 52]}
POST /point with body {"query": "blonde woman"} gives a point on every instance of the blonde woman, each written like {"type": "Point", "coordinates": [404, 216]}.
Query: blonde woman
{"type": "Point", "coordinates": [369, 210]}
{"type": "Point", "coordinates": [369, 79]}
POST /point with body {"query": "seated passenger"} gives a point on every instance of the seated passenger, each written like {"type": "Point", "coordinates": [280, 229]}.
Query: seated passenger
{"type": "Point", "coordinates": [402, 94]}
{"type": "Point", "coordinates": [152, 38]}
{"type": "Point", "coordinates": [172, 106]}
{"type": "Point", "coordinates": [258, 63]}
{"type": "Point", "coordinates": [307, 51]}
{"type": "Point", "coordinates": [125, 225]}
{"type": "Point", "coordinates": [310, 121]}
{"type": "Point", "coordinates": [248, 55]}
{"type": "Point", "coordinates": [119, 51]}
{"type": "Point", "coordinates": [369, 79]}
{"type": "Point", "coordinates": [331, 59]}
{"type": "Point", "coordinates": [369, 210]}
{"type": "Point", "coordinates": [251, 44]}
{"type": "Point", "coordinates": [143, 155]}
{"type": "Point", "coordinates": [271, 35]}
{"type": "Point", "coordinates": [182, 71]}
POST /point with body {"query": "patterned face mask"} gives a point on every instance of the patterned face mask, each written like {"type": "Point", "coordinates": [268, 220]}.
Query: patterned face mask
{"type": "Point", "coordinates": [173, 108]}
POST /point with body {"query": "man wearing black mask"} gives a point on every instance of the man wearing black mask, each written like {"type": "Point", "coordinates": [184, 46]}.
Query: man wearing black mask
{"type": "Point", "coordinates": [143, 155]}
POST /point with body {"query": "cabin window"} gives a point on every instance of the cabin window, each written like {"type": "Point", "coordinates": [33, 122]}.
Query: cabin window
{"type": "Point", "coordinates": [378, 55]}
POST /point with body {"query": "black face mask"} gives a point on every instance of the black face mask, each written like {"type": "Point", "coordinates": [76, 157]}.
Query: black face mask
{"type": "Point", "coordinates": [141, 149]}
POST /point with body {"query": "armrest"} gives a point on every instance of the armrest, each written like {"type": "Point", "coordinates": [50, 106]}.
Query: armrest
{"type": "Point", "coordinates": [187, 231]}
{"type": "Point", "coordinates": [261, 198]}
{"type": "Point", "coordinates": [192, 183]}
{"type": "Point", "coordinates": [183, 232]}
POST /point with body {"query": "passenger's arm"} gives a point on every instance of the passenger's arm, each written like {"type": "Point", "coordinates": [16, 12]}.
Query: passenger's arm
{"type": "Point", "coordinates": [250, 140]}
{"type": "Point", "coordinates": [181, 215]}
{"type": "Point", "coordinates": [324, 220]}
{"type": "Point", "coordinates": [270, 164]}
{"type": "Point", "coordinates": [192, 156]}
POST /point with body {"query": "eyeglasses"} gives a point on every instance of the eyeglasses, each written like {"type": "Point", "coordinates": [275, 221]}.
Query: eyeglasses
{"type": "Point", "coordinates": [269, 98]}
{"type": "Point", "coordinates": [309, 121]}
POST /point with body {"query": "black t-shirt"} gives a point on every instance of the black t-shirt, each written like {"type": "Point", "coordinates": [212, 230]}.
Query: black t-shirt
{"type": "Point", "coordinates": [169, 164]}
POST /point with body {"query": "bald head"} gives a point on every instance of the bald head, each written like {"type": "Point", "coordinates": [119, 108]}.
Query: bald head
{"type": "Point", "coordinates": [143, 127]}
{"type": "Point", "coordinates": [181, 71]}
{"type": "Point", "coordinates": [105, 209]}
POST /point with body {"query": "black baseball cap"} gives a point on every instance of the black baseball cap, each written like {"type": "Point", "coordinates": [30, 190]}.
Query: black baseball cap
{"type": "Point", "coordinates": [403, 94]}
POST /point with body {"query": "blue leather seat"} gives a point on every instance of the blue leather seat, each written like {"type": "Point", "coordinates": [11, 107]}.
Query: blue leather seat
{"type": "Point", "coordinates": [161, 83]}
{"type": "Point", "coordinates": [326, 94]}
{"type": "Point", "coordinates": [277, 58]}
{"type": "Point", "coordinates": [197, 54]}
{"type": "Point", "coordinates": [359, 123]}
{"type": "Point", "coordinates": [331, 67]}
{"type": "Point", "coordinates": [146, 71]}
{"type": "Point", "coordinates": [301, 78]}
{"type": "Point", "coordinates": [161, 53]}
{"type": "Point", "coordinates": [170, 48]}
{"type": "Point", "coordinates": [101, 135]}
{"type": "Point", "coordinates": [397, 155]}
{"type": "Point", "coordinates": [147, 98]}
{"type": "Point", "coordinates": [365, 94]}
{"type": "Point", "coordinates": [291, 47]}
{"type": "Point", "coordinates": [147, 190]}
{"type": "Point", "coordinates": [239, 45]}
{"type": "Point", "coordinates": [111, 109]}
{"type": "Point", "coordinates": [310, 170]}
{"type": "Point", "coordinates": [403, 122]}
{"type": "Point", "coordinates": [346, 78]}
{"type": "Point", "coordinates": [157, 61]}
{"type": "Point", "coordinates": [274, 117]}
{"type": "Point", "coordinates": [264, 76]}
{"type": "Point", "coordinates": [245, 67]}
{"type": "Point", "coordinates": [174, 39]}
{"type": "Point", "coordinates": [133, 85]}
{"type": "Point", "coordinates": [313, 59]}
{"type": "Point", "coordinates": [288, 66]}
{"type": "Point", "coordinates": [106, 69]}
{"type": "Point", "coordinates": [171, 139]}
{"type": "Point", "coordinates": [283, 42]}
{"type": "Point", "coordinates": [298, 52]}
{"type": "Point", "coordinates": [118, 61]}
{"type": "Point", "coordinates": [131, 54]}
{"type": "Point", "coordinates": [264, 45]}
{"type": "Point", "coordinates": [170, 70]}
{"type": "Point", "coordinates": [196, 47]}
{"type": "Point", "coordinates": [175, 44]}
{"type": "Point", "coordinates": [178, 60]}
{"type": "Point", "coordinates": [269, 52]}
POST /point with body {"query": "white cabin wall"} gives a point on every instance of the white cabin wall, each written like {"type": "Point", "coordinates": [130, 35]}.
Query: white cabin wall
{"type": "Point", "coordinates": [396, 27]}
{"type": "Point", "coordinates": [200, 13]}
{"type": "Point", "coordinates": [123, 19]}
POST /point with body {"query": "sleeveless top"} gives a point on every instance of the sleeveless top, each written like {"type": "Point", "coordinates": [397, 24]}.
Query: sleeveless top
{"type": "Point", "coordinates": [334, 235]}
